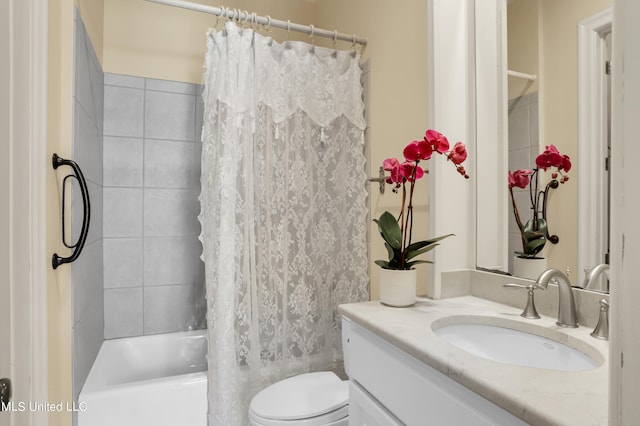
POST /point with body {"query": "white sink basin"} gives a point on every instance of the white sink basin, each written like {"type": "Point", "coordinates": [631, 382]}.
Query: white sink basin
{"type": "Point", "coordinates": [500, 340]}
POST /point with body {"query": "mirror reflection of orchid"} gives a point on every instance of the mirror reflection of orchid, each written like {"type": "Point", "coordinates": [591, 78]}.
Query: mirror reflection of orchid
{"type": "Point", "coordinates": [535, 232]}
{"type": "Point", "coordinates": [397, 231]}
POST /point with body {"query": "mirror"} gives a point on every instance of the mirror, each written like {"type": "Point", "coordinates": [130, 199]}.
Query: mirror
{"type": "Point", "coordinates": [542, 40]}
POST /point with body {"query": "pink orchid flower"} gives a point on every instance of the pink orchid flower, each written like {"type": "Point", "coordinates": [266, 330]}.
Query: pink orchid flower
{"type": "Point", "coordinates": [459, 153]}
{"type": "Point", "coordinates": [437, 140]}
{"type": "Point", "coordinates": [393, 165]}
{"type": "Point", "coordinates": [566, 163]}
{"type": "Point", "coordinates": [551, 157]}
{"type": "Point", "coordinates": [519, 178]}
{"type": "Point", "coordinates": [407, 169]}
{"type": "Point", "coordinates": [418, 150]}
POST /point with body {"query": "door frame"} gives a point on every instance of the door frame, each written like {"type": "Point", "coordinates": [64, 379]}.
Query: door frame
{"type": "Point", "coordinates": [27, 155]}
{"type": "Point", "coordinates": [624, 351]}
{"type": "Point", "coordinates": [592, 128]}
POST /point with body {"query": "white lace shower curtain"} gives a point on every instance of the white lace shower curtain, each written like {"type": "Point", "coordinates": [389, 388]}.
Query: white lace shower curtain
{"type": "Point", "coordinates": [284, 212]}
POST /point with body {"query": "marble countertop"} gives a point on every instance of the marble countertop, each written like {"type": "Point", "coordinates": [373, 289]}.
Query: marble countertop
{"type": "Point", "coordinates": [537, 396]}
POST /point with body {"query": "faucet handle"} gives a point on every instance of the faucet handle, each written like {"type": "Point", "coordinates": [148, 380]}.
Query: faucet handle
{"type": "Point", "coordinates": [513, 285]}
{"type": "Point", "coordinates": [585, 282]}
{"type": "Point", "coordinates": [530, 311]}
{"type": "Point", "coordinates": [525, 286]}
{"type": "Point", "coordinates": [602, 329]}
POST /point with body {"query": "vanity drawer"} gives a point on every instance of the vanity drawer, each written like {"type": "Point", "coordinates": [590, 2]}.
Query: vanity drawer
{"type": "Point", "coordinates": [412, 391]}
{"type": "Point", "coordinates": [365, 411]}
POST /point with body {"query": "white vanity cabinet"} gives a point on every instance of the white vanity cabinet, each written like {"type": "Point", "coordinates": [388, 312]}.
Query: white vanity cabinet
{"type": "Point", "coordinates": [390, 387]}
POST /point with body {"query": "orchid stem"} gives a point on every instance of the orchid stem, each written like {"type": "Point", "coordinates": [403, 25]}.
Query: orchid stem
{"type": "Point", "coordinates": [402, 227]}
{"type": "Point", "coordinates": [534, 199]}
{"type": "Point", "coordinates": [518, 221]}
{"type": "Point", "coordinates": [409, 220]}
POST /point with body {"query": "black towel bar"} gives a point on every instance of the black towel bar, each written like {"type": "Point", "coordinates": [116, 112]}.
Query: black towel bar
{"type": "Point", "coordinates": [86, 211]}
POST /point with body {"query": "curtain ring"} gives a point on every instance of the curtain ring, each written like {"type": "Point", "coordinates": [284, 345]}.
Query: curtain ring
{"type": "Point", "coordinates": [218, 17]}
{"type": "Point", "coordinates": [268, 22]}
{"type": "Point", "coordinates": [354, 42]}
{"type": "Point", "coordinates": [254, 20]}
{"type": "Point", "coordinates": [335, 37]}
{"type": "Point", "coordinates": [312, 31]}
{"type": "Point", "coordinates": [288, 28]}
{"type": "Point", "coordinates": [246, 17]}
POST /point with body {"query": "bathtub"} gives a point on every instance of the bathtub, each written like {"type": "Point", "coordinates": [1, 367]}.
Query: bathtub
{"type": "Point", "coordinates": [150, 380]}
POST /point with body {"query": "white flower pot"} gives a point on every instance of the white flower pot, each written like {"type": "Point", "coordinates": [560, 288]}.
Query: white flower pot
{"type": "Point", "coordinates": [398, 287]}
{"type": "Point", "coordinates": [529, 268]}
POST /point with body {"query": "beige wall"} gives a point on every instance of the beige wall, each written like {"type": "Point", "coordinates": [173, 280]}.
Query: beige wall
{"type": "Point", "coordinates": [59, 140]}
{"type": "Point", "coordinates": [158, 41]}
{"type": "Point", "coordinates": [92, 12]}
{"type": "Point", "coordinates": [522, 45]}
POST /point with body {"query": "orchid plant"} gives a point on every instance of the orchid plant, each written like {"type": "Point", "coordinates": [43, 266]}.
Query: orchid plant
{"type": "Point", "coordinates": [535, 232]}
{"type": "Point", "coordinates": [397, 231]}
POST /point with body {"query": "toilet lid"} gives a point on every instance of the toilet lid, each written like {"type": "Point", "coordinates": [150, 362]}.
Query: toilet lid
{"type": "Point", "coordinates": [301, 397]}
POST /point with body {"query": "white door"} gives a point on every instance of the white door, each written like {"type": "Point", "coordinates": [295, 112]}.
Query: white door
{"type": "Point", "coordinates": [23, 329]}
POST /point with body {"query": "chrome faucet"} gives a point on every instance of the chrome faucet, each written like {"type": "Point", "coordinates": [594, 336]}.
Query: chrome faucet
{"type": "Point", "coordinates": [594, 274]}
{"type": "Point", "coordinates": [566, 303]}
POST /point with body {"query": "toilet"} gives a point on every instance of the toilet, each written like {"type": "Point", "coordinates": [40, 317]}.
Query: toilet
{"type": "Point", "coordinates": [312, 399]}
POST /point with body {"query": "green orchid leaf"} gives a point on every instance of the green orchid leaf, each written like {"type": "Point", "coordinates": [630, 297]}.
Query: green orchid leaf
{"type": "Point", "coordinates": [538, 226]}
{"type": "Point", "coordinates": [410, 265]}
{"type": "Point", "coordinates": [436, 239]}
{"type": "Point", "coordinates": [534, 247]}
{"type": "Point", "coordinates": [421, 247]}
{"type": "Point", "coordinates": [526, 256]}
{"type": "Point", "coordinates": [535, 237]}
{"type": "Point", "coordinates": [383, 264]}
{"type": "Point", "coordinates": [390, 230]}
{"type": "Point", "coordinates": [390, 251]}
{"type": "Point", "coordinates": [414, 253]}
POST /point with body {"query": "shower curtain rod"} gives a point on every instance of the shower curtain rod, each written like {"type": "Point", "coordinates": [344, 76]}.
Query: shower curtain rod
{"type": "Point", "coordinates": [246, 17]}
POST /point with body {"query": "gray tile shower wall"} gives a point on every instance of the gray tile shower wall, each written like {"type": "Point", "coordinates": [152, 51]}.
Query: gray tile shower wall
{"type": "Point", "coordinates": [524, 146]}
{"type": "Point", "coordinates": [153, 275]}
{"type": "Point", "coordinates": [86, 272]}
